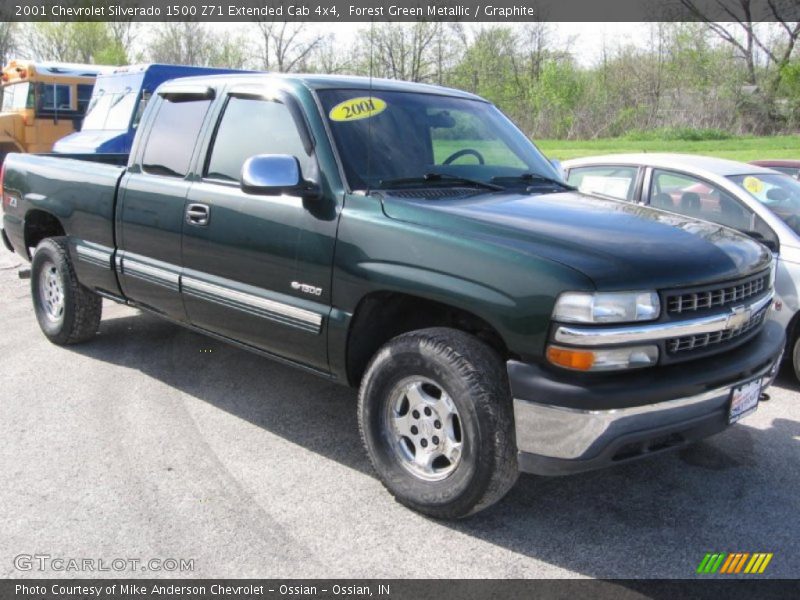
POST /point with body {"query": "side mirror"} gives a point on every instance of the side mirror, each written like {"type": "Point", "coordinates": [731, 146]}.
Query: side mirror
{"type": "Point", "coordinates": [276, 174]}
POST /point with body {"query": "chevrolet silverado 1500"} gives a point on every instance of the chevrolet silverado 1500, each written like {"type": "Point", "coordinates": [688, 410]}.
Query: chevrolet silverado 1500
{"type": "Point", "coordinates": [410, 241]}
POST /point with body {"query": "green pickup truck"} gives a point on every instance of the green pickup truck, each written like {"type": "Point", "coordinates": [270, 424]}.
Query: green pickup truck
{"type": "Point", "coordinates": [410, 241]}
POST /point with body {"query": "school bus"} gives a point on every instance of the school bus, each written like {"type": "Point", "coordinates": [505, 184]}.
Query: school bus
{"type": "Point", "coordinates": [43, 102]}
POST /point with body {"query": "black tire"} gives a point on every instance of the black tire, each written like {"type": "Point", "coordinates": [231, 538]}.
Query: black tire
{"type": "Point", "coordinates": [76, 317]}
{"type": "Point", "coordinates": [475, 379]}
{"type": "Point", "coordinates": [796, 357]}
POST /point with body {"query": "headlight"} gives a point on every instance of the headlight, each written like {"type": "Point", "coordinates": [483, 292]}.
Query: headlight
{"type": "Point", "coordinates": [609, 359]}
{"type": "Point", "coordinates": [606, 307]}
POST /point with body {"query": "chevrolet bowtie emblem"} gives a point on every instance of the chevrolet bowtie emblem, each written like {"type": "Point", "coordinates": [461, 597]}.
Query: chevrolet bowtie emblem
{"type": "Point", "coordinates": [739, 317]}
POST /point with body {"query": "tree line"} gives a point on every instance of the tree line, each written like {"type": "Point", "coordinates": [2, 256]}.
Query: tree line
{"type": "Point", "coordinates": [713, 78]}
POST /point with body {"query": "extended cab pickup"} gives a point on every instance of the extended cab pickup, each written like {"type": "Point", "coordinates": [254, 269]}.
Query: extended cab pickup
{"type": "Point", "coordinates": [408, 240]}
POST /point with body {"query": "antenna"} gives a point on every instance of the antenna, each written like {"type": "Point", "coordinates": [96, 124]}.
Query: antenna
{"type": "Point", "coordinates": [369, 121]}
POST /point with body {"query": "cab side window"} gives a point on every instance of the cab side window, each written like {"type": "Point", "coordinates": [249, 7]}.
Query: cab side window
{"type": "Point", "coordinates": [173, 135]}
{"type": "Point", "coordinates": [614, 181]}
{"type": "Point", "coordinates": [251, 126]}
{"type": "Point", "coordinates": [693, 197]}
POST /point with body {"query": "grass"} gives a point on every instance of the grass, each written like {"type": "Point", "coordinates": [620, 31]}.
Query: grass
{"type": "Point", "coordinates": [743, 149]}
{"type": "Point", "coordinates": [494, 153]}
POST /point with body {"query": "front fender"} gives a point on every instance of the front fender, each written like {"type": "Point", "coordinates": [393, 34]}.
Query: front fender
{"type": "Point", "coordinates": [512, 291]}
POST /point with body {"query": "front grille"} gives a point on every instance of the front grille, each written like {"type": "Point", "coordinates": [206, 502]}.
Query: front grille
{"type": "Point", "coordinates": [713, 297]}
{"type": "Point", "coordinates": [704, 340]}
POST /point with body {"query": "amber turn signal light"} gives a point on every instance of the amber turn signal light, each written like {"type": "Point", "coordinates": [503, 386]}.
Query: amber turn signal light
{"type": "Point", "coordinates": [580, 360]}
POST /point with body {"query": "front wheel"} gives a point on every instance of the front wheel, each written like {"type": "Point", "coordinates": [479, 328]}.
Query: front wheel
{"type": "Point", "coordinates": [436, 419]}
{"type": "Point", "coordinates": [796, 357]}
{"type": "Point", "coordinates": [67, 312]}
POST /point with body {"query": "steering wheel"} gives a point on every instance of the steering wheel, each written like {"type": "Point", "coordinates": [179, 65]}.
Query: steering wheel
{"type": "Point", "coordinates": [464, 152]}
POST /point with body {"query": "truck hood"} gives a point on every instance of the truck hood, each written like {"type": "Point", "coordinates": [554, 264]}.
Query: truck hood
{"type": "Point", "coordinates": [617, 245]}
{"type": "Point", "coordinates": [90, 142]}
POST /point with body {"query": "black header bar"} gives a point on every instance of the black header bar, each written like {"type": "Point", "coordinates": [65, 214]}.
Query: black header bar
{"type": "Point", "coordinates": [381, 10]}
{"type": "Point", "coordinates": [394, 589]}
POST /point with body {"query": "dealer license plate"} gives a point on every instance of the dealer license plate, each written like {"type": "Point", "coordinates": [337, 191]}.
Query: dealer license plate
{"type": "Point", "coordinates": [744, 400]}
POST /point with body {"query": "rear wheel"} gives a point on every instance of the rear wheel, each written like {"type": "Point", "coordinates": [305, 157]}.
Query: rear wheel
{"type": "Point", "coordinates": [67, 312]}
{"type": "Point", "coordinates": [436, 419]}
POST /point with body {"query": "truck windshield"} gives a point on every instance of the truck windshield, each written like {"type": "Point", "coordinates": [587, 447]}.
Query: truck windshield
{"type": "Point", "coordinates": [387, 139]}
{"type": "Point", "coordinates": [17, 96]}
{"type": "Point", "coordinates": [110, 111]}
{"type": "Point", "coordinates": [781, 193]}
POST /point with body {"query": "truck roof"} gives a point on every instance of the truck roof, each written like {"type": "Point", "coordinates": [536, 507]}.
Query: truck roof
{"type": "Point", "coordinates": [689, 162]}
{"type": "Point", "coordinates": [58, 69]}
{"type": "Point", "coordinates": [150, 67]}
{"type": "Point", "coordinates": [321, 82]}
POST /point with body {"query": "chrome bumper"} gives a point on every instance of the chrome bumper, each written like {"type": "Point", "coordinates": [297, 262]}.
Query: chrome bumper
{"type": "Point", "coordinates": [579, 437]}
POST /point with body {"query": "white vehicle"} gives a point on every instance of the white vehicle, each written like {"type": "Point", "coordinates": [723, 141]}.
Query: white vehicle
{"type": "Point", "coordinates": [758, 201]}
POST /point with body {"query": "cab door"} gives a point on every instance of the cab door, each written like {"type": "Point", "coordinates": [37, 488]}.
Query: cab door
{"type": "Point", "coordinates": [257, 268]}
{"type": "Point", "coordinates": [150, 208]}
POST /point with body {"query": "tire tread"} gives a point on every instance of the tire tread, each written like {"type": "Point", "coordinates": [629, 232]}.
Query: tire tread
{"type": "Point", "coordinates": [87, 306]}
{"type": "Point", "coordinates": [484, 373]}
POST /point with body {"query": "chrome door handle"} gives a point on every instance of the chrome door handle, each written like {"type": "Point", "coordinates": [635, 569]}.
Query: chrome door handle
{"type": "Point", "coordinates": [198, 214]}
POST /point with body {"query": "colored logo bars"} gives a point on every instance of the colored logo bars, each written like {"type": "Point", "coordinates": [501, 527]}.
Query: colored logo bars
{"type": "Point", "coordinates": [734, 562]}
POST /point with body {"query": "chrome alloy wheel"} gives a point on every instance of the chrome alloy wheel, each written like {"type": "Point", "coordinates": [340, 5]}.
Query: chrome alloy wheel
{"type": "Point", "coordinates": [424, 429]}
{"type": "Point", "coordinates": [51, 292]}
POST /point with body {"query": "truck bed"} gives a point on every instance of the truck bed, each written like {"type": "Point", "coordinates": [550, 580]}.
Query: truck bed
{"type": "Point", "coordinates": [109, 159]}
{"type": "Point", "coordinates": [80, 194]}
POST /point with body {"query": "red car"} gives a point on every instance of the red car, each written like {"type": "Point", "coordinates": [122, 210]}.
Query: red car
{"type": "Point", "coordinates": [790, 167]}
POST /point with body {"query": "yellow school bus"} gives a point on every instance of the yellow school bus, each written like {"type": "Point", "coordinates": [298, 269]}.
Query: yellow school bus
{"type": "Point", "coordinates": [43, 102]}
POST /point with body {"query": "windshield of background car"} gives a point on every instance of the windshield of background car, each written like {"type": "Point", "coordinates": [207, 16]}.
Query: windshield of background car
{"type": "Point", "coordinates": [781, 193]}
{"type": "Point", "coordinates": [388, 136]}
{"type": "Point", "coordinates": [110, 111]}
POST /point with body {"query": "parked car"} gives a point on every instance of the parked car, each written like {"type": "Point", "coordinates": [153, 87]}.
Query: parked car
{"type": "Point", "coordinates": [789, 167]}
{"type": "Point", "coordinates": [410, 241]}
{"type": "Point", "coordinates": [752, 199]}
{"type": "Point", "coordinates": [117, 105]}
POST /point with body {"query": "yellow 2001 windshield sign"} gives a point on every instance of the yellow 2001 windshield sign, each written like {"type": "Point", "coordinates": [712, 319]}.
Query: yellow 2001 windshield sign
{"type": "Point", "coordinates": [355, 109]}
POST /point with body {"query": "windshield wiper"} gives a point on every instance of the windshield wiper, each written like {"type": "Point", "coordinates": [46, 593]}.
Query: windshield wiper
{"type": "Point", "coordinates": [439, 178]}
{"type": "Point", "coordinates": [531, 178]}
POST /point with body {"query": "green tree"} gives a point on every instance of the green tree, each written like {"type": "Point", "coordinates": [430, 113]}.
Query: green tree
{"type": "Point", "coordinates": [81, 42]}
{"type": "Point", "coordinates": [193, 43]}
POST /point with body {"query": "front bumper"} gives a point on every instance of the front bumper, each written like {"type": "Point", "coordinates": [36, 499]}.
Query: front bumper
{"type": "Point", "coordinates": [566, 423]}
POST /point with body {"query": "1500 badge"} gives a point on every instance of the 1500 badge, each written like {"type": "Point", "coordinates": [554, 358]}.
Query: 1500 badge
{"type": "Point", "coordinates": [307, 289]}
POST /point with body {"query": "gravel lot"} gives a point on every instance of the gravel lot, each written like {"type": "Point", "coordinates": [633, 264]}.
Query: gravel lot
{"type": "Point", "coordinates": [155, 442]}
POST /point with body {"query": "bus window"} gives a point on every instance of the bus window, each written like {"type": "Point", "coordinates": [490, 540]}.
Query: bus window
{"type": "Point", "coordinates": [84, 95]}
{"type": "Point", "coordinates": [54, 97]}
{"type": "Point", "coordinates": [18, 96]}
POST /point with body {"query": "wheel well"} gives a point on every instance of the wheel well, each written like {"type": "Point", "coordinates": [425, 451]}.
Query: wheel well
{"type": "Point", "coordinates": [380, 316]}
{"type": "Point", "coordinates": [40, 225]}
